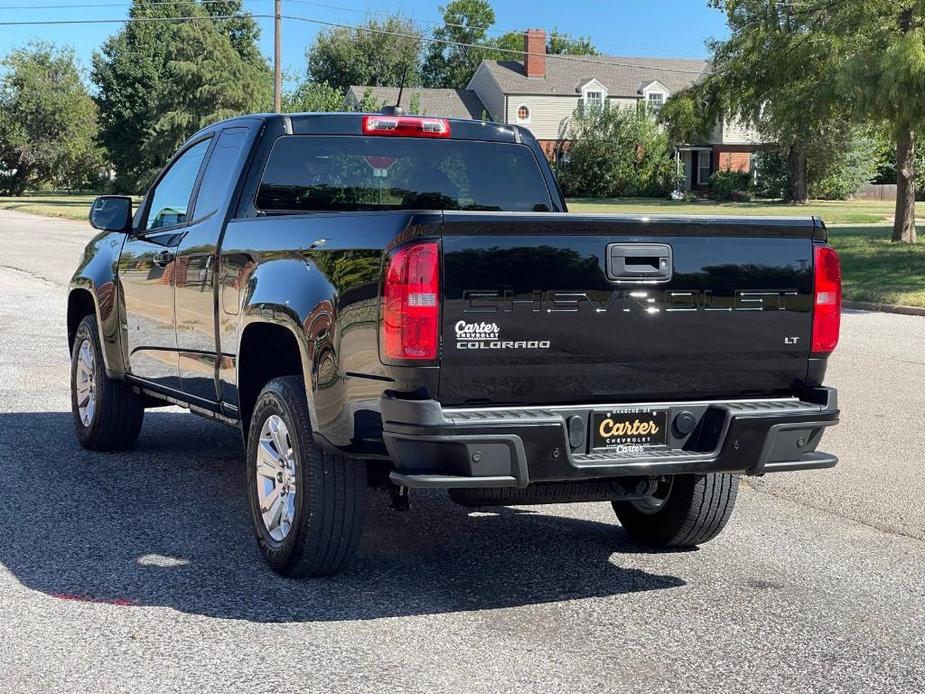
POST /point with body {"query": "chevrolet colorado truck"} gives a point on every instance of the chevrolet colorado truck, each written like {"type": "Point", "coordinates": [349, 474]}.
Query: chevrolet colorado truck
{"type": "Point", "coordinates": [404, 302]}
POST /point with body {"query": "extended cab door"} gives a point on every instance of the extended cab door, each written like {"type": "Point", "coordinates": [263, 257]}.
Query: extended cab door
{"type": "Point", "coordinates": [199, 354]}
{"type": "Point", "coordinates": [148, 268]}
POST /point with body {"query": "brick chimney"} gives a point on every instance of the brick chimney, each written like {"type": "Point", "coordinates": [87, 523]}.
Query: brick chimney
{"type": "Point", "coordinates": [535, 52]}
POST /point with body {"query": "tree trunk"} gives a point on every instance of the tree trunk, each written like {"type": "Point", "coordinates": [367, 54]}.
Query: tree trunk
{"type": "Point", "coordinates": [904, 225]}
{"type": "Point", "coordinates": [798, 188]}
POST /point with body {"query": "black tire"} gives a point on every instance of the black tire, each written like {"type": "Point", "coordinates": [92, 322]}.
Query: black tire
{"type": "Point", "coordinates": [685, 511]}
{"type": "Point", "coordinates": [327, 516]}
{"type": "Point", "coordinates": [116, 418]}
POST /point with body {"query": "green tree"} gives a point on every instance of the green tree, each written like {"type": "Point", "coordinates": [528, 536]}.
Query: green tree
{"type": "Point", "coordinates": [885, 73]}
{"type": "Point", "coordinates": [775, 72]}
{"type": "Point", "coordinates": [205, 80]}
{"type": "Point", "coordinates": [615, 152]}
{"type": "Point", "coordinates": [557, 43]}
{"type": "Point", "coordinates": [47, 122]}
{"type": "Point", "coordinates": [560, 43]}
{"type": "Point", "coordinates": [839, 162]}
{"type": "Point", "coordinates": [464, 21]}
{"type": "Point", "coordinates": [130, 69]}
{"type": "Point", "coordinates": [368, 104]}
{"type": "Point", "coordinates": [378, 54]}
{"type": "Point", "coordinates": [313, 97]}
{"type": "Point", "coordinates": [689, 115]}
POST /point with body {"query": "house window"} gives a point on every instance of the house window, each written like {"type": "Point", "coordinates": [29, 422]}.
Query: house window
{"type": "Point", "coordinates": [703, 166]}
{"type": "Point", "coordinates": [656, 100]}
{"type": "Point", "coordinates": [594, 99]}
{"type": "Point", "coordinates": [523, 114]}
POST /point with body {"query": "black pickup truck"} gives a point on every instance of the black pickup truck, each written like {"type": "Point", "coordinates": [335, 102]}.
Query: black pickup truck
{"type": "Point", "coordinates": [404, 302]}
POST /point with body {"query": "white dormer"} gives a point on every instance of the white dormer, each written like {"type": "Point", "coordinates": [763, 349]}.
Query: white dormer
{"type": "Point", "coordinates": [593, 94]}
{"type": "Point", "coordinates": [654, 95]}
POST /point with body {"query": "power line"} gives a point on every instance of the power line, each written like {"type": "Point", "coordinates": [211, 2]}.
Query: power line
{"type": "Point", "coordinates": [127, 20]}
{"type": "Point", "coordinates": [493, 32]}
{"type": "Point", "coordinates": [490, 29]}
{"type": "Point", "coordinates": [400, 34]}
{"type": "Point", "coordinates": [95, 5]}
{"type": "Point", "coordinates": [555, 56]}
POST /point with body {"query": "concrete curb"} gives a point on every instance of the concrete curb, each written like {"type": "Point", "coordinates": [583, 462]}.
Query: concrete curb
{"type": "Point", "coordinates": [883, 308]}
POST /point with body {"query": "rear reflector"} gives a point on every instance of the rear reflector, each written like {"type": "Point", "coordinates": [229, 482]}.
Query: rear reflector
{"type": "Point", "coordinates": [827, 302]}
{"type": "Point", "coordinates": [406, 126]}
{"type": "Point", "coordinates": [410, 318]}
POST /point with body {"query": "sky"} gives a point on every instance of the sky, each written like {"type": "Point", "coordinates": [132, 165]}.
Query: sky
{"type": "Point", "coordinates": [660, 28]}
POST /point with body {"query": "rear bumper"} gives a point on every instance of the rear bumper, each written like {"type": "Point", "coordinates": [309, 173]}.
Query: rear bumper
{"type": "Point", "coordinates": [514, 447]}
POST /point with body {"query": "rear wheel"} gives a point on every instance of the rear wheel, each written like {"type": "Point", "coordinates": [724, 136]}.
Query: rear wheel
{"type": "Point", "coordinates": [683, 511]}
{"type": "Point", "coordinates": [306, 503]}
{"type": "Point", "coordinates": [107, 414]}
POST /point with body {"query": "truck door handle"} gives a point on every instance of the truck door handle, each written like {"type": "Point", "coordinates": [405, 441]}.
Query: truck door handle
{"type": "Point", "coordinates": [639, 262]}
{"type": "Point", "coordinates": [164, 258]}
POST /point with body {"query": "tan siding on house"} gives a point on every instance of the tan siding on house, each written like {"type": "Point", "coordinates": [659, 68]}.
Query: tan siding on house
{"type": "Point", "coordinates": [622, 101]}
{"type": "Point", "coordinates": [735, 132]}
{"type": "Point", "coordinates": [483, 84]}
{"type": "Point", "coordinates": [549, 115]}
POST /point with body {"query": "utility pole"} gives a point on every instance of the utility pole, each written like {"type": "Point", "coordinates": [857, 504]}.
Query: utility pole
{"type": "Point", "coordinates": [277, 58]}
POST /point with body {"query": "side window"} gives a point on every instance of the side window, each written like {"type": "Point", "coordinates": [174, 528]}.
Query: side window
{"type": "Point", "coordinates": [170, 199]}
{"type": "Point", "coordinates": [221, 172]}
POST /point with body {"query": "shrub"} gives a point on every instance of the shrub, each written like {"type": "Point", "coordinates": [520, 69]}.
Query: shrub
{"type": "Point", "coordinates": [772, 175]}
{"type": "Point", "coordinates": [841, 175]}
{"type": "Point", "coordinates": [731, 185]}
{"type": "Point", "coordinates": [616, 152]}
{"type": "Point", "coordinates": [836, 166]}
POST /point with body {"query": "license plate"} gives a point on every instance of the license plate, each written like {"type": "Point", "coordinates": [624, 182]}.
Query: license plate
{"type": "Point", "coordinates": [630, 430]}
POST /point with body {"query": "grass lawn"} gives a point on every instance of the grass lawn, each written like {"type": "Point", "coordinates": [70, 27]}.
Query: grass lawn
{"type": "Point", "coordinates": [51, 205]}
{"type": "Point", "coordinates": [831, 211]}
{"type": "Point", "coordinates": [875, 269]}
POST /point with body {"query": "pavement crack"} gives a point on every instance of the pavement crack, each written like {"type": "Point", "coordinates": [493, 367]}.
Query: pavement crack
{"type": "Point", "coordinates": [33, 275]}
{"type": "Point", "coordinates": [829, 512]}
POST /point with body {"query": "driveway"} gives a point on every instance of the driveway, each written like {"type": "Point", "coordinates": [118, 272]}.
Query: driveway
{"type": "Point", "coordinates": [137, 572]}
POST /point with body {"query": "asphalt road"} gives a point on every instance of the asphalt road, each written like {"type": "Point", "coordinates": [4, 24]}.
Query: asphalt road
{"type": "Point", "coordinates": [138, 573]}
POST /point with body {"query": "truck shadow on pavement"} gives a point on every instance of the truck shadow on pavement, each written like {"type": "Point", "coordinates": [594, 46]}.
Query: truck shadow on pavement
{"type": "Point", "coordinates": [167, 525]}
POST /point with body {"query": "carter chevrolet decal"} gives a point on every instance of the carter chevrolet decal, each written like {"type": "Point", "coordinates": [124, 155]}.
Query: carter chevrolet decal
{"type": "Point", "coordinates": [488, 336]}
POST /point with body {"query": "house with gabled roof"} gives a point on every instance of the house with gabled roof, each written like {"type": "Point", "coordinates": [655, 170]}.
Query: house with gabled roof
{"type": "Point", "coordinates": [542, 92]}
{"type": "Point", "coordinates": [448, 103]}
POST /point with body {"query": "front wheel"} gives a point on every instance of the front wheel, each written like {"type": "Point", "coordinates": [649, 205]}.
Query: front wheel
{"type": "Point", "coordinates": [306, 503]}
{"type": "Point", "coordinates": [683, 511]}
{"type": "Point", "coordinates": [107, 414]}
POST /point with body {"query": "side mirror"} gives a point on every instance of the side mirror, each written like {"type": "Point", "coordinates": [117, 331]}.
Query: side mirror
{"type": "Point", "coordinates": [111, 213]}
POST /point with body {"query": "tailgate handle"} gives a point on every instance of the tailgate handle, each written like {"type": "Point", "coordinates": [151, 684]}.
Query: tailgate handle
{"type": "Point", "coordinates": [639, 262]}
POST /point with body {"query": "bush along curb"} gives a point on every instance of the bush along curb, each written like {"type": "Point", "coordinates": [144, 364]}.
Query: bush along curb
{"type": "Point", "coordinates": [884, 308]}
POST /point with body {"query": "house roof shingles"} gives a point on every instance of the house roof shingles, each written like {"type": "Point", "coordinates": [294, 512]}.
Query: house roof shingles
{"type": "Point", "coordinates": [448, 103]}
{"type": "Point", "coordinates": [621, 76]}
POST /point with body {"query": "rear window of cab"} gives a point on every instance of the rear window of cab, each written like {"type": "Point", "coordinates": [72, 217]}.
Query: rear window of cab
{"type": "Point", "coordinates": [306, 173]}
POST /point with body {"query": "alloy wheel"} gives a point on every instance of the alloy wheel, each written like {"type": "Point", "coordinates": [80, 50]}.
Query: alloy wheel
{"type": "Point", "coordinates": [85, 383]}
{"type": "Point", "coordinates": [277, 478]}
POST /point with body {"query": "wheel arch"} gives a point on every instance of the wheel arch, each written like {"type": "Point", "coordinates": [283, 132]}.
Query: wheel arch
{"type": "Point", "coordinates": [80, 304]}
{"type": "Point", "coordinates": [268, 350]}
{"type": "Point", "coordinates": [82, 301]}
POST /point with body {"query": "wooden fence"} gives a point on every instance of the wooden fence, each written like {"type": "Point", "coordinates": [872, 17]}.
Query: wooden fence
{"type": "Point", "coordinates": [871, 191]}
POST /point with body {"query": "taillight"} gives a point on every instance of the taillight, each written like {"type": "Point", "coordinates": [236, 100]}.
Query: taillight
{"type": "Point", "coordinates": [406, 126]}
{"type": "Point", "coordinates": [827, 300]}
{"type": "Point", "coordinates": [410, 318]}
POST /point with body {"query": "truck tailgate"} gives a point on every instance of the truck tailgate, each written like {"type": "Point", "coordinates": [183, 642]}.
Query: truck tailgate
{"type": "Point", "coordinates": [561, 308]}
